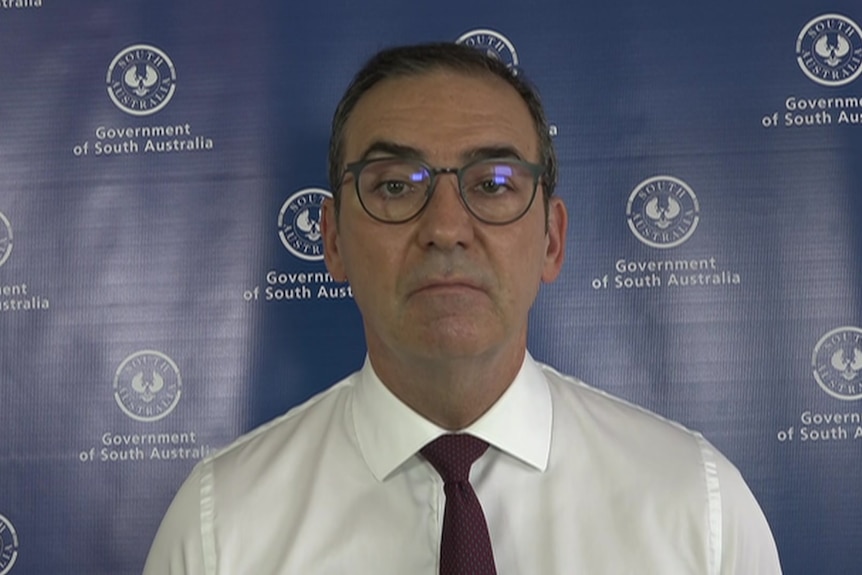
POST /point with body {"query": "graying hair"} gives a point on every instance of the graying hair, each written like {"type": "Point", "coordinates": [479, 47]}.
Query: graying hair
{"type": "Point", "coordinates": [420, 59]}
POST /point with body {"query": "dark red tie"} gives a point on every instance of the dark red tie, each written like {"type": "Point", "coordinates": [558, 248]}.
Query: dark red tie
{"type": "Point", "coordinates": [465, 548]}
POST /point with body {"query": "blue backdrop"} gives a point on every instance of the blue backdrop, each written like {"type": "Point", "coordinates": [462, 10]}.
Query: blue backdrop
{"type": "Point", "coordinates": [161, 284]}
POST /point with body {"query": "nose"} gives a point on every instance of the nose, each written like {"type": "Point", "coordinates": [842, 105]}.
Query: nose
{"type": "Point", "coordinates": [445, 222]}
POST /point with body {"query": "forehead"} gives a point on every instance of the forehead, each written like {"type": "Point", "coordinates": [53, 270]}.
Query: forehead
{"type": "Point", "coordinates": [443, 114]}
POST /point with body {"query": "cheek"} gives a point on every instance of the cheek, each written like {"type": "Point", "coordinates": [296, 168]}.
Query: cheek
{"type": "Point", "coordinates": [361, 278]}
{"type": "Point", "coordinates": [369, 265]}
{"type": "Point", "coordinates": [526, 264]}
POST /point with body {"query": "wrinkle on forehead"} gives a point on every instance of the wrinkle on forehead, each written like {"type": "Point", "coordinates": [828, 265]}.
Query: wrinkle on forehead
{"type": "Point", "coordinates": [443, 115]}
{"type": "Point", "coordinates": [384, 148]}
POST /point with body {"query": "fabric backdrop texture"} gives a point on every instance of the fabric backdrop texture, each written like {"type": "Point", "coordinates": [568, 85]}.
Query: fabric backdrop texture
{"type": "Point", "coordinates": [162, 289]}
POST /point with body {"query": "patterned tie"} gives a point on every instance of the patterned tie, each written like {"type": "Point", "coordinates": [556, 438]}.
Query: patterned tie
{"type": "Point", "coordinates": [465, 548]}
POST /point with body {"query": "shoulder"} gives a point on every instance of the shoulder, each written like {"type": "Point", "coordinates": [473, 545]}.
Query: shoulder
{"type": "Point", "coordinates": [238, 485]}
{"type": "Point", "coordinates": [587, 407]}
{"type": "Point", "coordinates": [299, 432]}
{"type": "Point", "coordinates": [626, 443]}
{"type": "Point", "coordinates": [626, 449]}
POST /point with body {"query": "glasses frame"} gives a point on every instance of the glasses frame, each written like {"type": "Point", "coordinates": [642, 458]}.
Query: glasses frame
{"type": "Point", "coordinates": [355, 169]}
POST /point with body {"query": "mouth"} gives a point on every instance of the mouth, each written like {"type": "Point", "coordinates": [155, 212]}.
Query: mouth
{"type": "Point", "coordinates": [450, 285]}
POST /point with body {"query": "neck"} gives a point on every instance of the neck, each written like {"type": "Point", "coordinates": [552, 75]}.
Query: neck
{"type": "Point", "coordinates": [452, 393]}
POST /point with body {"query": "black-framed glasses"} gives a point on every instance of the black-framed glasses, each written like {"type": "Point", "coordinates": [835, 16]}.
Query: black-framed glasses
{"type": "Point", "coordinates": [396, 189]}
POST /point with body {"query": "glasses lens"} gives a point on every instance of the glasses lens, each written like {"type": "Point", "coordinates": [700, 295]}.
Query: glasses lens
{"type": "Point", "coordinates": [498, 191]}
{"type": "Point", "coordinates": [394, 189]}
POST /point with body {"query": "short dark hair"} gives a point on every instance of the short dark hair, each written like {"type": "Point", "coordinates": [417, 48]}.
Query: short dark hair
{"type": "Point", "coordinates": [403, 61]}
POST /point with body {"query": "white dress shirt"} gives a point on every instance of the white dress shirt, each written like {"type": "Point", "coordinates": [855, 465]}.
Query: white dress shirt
{"type": "Point", "coordinates": [575, 482]}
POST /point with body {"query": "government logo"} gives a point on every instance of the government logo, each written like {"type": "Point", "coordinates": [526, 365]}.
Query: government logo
{"type": "Point", "coordinates": [141, 80]}
{"type": "Point", "coordinates": [8, 546]}
{"type": "Point", "coordinates": [829, 50]}
{"type": "Point", "coordinates": [5, 239]}
{"type": "Point", "coordinates": [662, 212]}
{"type": "Point", "coordinates": [837, 363]}
{"type": "Point", "coordinates": [493, 44]}
{"type": "Point", "coordinates": [299, 223]}
{"type": "Point", "coordinates": [147, 385]}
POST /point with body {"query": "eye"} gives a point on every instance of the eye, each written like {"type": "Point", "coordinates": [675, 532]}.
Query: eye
{"type": "Point", "coordinates": [393, 187]}
{"type": "Point", "coordinates": [392, 179]}
{"type": "Point", "coordinates": [495, 185]}
{"type": "Point", "coordinates": [490, 179]}
{"type": "Point", "coordinates": [397, 187]}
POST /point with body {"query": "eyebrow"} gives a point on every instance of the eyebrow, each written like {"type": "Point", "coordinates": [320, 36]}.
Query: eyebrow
{"type": "Point", "coordinates": [389, 148]}
{"type": "Point", "coordinates": [492, 152]}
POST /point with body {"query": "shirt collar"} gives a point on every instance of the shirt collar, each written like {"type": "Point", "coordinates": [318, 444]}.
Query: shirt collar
{"type": "Point", "coordinates": [389, 432]}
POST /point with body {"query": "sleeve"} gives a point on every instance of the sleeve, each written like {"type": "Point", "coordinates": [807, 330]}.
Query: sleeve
{"type": "Point", "coordinates": [179, 545]}
{"type": "Point", "coordinates": [747, 545]}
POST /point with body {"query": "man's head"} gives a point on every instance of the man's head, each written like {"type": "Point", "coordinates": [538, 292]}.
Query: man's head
{"type": "Point", "coordinates": [437, 230]}
{"type": "Point", "coordinates": [421, 59]}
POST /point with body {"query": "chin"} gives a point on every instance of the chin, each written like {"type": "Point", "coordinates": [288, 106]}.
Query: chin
{"type": "Point", "coordinates": [456, 344]}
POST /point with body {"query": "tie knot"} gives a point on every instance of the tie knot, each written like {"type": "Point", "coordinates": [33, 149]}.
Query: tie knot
{"type": "Point", "coordinates": [453, 454]}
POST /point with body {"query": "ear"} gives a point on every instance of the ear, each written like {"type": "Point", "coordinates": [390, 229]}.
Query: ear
{"type": "Point", "coordinates": [332, 241]}
{"type": "Point", "coordinates": [555, 250]}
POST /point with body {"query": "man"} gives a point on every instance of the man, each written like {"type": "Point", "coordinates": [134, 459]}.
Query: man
{"type": "Point", "coordinates": [445, 224]}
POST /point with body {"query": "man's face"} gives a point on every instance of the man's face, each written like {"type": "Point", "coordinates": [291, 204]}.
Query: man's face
{"type": "Point", "coordinates": [442, 286]}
